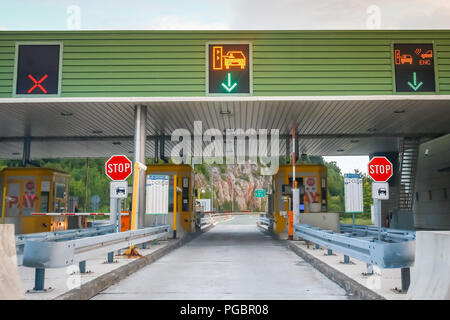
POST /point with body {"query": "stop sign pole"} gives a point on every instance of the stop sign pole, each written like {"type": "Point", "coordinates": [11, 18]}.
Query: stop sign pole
{"type": "Point", "coordinates": [380, 169]}
{"type": "Point", "coordinates": [117, 168]}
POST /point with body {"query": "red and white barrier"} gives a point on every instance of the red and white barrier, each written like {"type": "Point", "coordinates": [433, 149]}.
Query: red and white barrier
{"type": "Point", "coordinates": [74, 214]}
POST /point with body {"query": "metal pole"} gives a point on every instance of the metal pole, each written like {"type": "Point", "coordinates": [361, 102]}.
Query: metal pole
{"type": "Point", "coordinates": [212, 191]}
{"type": "Point", "coordinates": [378, 201]}
{"type": "Point", "coordinates": [232, 196]}
{"type": "Point", "coordinates": [82, 266]}
{"type": "Point", "coordinates": [5, 190]}
{"type": "Point", "coordinates": [39, 278]}
{"type": "Point", "coordinates": [175, 206]}
{"type": "Point", "coordinates": [110, 257]}
{"type": "Point", "coordinates": [406, 279]}
{"type": "Point", "coordinates": [86, 181]}
{"type": "Point", "coordinates": [140, 118]}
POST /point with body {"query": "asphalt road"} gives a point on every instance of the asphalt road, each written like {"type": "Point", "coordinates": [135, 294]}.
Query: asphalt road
{"type": "Point", "coordinates": [234, 260]}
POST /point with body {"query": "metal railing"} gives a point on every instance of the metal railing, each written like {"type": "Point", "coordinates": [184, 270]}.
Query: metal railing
{"type": "Point", "coordinates": [205, 222]}
{"type": "Point", "coordinates": [58, 236]}
{"type": "Point", "coordinates": [264, 223]}
{"type": "Point", "coordinates": [387, 234]}
{"type": "Point", "coordinates": [56, 254]}
{"type": "Point", "coordinates": [395, 252]}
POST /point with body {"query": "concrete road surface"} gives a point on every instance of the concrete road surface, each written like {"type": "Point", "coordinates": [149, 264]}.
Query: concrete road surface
{"type": "Point", "coordinates": [234, 260]}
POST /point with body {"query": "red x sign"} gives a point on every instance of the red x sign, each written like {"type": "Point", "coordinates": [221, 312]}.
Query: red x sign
{"type": "Point", "coordinates": [37, 84]}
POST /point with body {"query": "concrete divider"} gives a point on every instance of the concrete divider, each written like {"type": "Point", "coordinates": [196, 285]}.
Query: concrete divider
{"type": "Point", "coordinates": [10, 283]}
{"type": "Point", "coordinates": [431, 272]}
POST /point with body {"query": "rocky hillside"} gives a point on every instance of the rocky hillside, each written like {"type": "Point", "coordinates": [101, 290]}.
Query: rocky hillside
{"type": "Point", "coordinates": [223, 180]}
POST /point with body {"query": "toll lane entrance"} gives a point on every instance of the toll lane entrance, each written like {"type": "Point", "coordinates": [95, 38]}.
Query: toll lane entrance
{"type": "Point", "coordinates": [233, 260]}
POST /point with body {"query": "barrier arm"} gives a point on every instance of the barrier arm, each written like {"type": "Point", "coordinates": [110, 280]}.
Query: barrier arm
{"type": "Point", "coordinates": [137, 166]}
{"type": "Point", "coordinates": [175, 206]}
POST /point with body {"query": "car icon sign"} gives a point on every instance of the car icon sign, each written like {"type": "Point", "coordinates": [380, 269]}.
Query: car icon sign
{"type": "Point", "coordinates": [120, 190]}
{"type": "Point", "coordinates": [382, 191]}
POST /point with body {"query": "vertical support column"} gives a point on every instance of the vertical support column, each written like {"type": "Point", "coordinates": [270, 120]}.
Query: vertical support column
{"type": "Point", "coordinates": [346, 259]}
{"type": "Point", "coordinates": [82, 266]}
{"type": "Point", "coordinates": [39, 278]}
{"type": "Point", "coordinates": [288, 149]}
{"type": "Point", "coordinates": [406, 279]}
{"type": "Point", "coordinates": [26, 151]}
{"type": "Point", "coordinates": [114, 217]}
{"type": "Point", "coordinates": [140, 137]}
{"type": "Point", "coordinates": [175, 206]}
{"type": "Point", "coordinates": [156, 149]}
{"type": "Point", "coordinates": [110, 257]}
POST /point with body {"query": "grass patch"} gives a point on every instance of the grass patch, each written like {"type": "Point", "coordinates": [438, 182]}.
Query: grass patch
{"type": "Point", "coordinates": [360, 220]}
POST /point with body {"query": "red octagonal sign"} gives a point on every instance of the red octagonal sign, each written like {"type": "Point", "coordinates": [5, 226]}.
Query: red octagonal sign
{"type": "Point", "coordinates": [380, 169]}
{"type": "Point", "coordinates": [118, 167]}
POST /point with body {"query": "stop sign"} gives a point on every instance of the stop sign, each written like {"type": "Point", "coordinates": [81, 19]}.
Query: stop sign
{"type": "Point", "coordinates": [380, 169]}
{"type": "Point", "coordinates": [118, 167]}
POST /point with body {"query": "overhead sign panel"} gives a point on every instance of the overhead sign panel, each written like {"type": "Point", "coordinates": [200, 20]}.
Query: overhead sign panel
{"type": "Point", "coordinates": [38, 69]}
{"type": "Point", "coordinates": [414, 68]}
{"type": "Point", "coordinates": [229, 69]}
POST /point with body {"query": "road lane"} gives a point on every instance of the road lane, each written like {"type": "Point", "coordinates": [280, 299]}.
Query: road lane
{"type": "Point", "coordinates": [234, 260]}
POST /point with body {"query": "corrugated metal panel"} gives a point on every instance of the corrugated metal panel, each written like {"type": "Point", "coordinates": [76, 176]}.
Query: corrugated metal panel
{"type": "Point", "coordinates": [172, 63]}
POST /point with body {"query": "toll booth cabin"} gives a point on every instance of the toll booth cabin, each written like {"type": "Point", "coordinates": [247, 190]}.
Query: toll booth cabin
{"type": "Point", "coordinates": [25, 191]}
{"type": "Point", "coordinates": [311, 179]}
{"type": "Point", "coordinates": [185, 219]}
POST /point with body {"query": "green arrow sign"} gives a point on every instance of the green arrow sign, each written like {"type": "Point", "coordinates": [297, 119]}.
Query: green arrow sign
{"type": "Point", "coordinates": [260, 193]}
{"type": "Point", "coordinates": [416, 85]}
{"type": "Point", "coordinates": [230, 86]}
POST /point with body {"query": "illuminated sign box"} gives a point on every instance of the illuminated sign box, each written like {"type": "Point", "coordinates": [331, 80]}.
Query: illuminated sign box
{"type": "Point", "coordinates": [414, 68]}
{"type": "Point", "coordinates": [38, 69]}
{"type": "Point", "coordinates": [229, 69]}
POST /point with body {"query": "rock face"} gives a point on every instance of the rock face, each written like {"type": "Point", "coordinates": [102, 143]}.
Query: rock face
{"type": "Point", "coordinates": [243, 179]}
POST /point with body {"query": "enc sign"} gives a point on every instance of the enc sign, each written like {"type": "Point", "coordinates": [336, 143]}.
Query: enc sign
{"type": "Point", "coordinates": [414, 68]}
{"type": "Point", "coordinates": [229, 68]}
{"type": "Point", "coordinates": [38, 69]}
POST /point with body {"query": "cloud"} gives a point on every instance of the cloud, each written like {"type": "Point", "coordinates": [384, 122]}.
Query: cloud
{"type": "Point", "coordinates": [339, 14]}
{"type": "Point", "coordinates": [174, 22]}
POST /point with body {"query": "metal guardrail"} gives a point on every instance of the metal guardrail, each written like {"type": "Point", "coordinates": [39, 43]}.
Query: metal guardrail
{"type": "Point", "coordinates": [396, 252]}
{"type": "Point", "coordinates": [56, 254]}
{"type": "Point", "coordinates": [264, 222]}
{"type": "Point", "coordinates": [58, 236]}
{"type": "Point", "coordinates": [205, 222]}
{"type": "Point", "coordinates": [387, 234]}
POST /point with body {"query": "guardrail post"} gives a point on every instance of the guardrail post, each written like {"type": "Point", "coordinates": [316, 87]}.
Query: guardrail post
{"type": "Point", "coordinates": [406, 279]}
{"type": "Point", "coordinates": [369, 268]}
{"type": "Point", "coordinates": [82, 266]}
{"type": "Point", "coordinates": [144, 245]}
{"type": "Point", "coordinates": [346, 259]}
{"type": "Point", "coordinates": [330, 252]}
{"type": "Point", "coordinates": [317, 247]}
{"type": "Point", "coordinates": [39, 278]}
{"type": "Point", "coordinates": [110, 257]}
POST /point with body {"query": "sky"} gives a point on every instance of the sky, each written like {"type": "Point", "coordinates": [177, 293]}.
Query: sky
{"type": "Point", "coordinates": [348, 164]}
{"type": "Point", "coordinates": [228, 15]}
{"type": "Point", "coordinates": [231, 14]}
